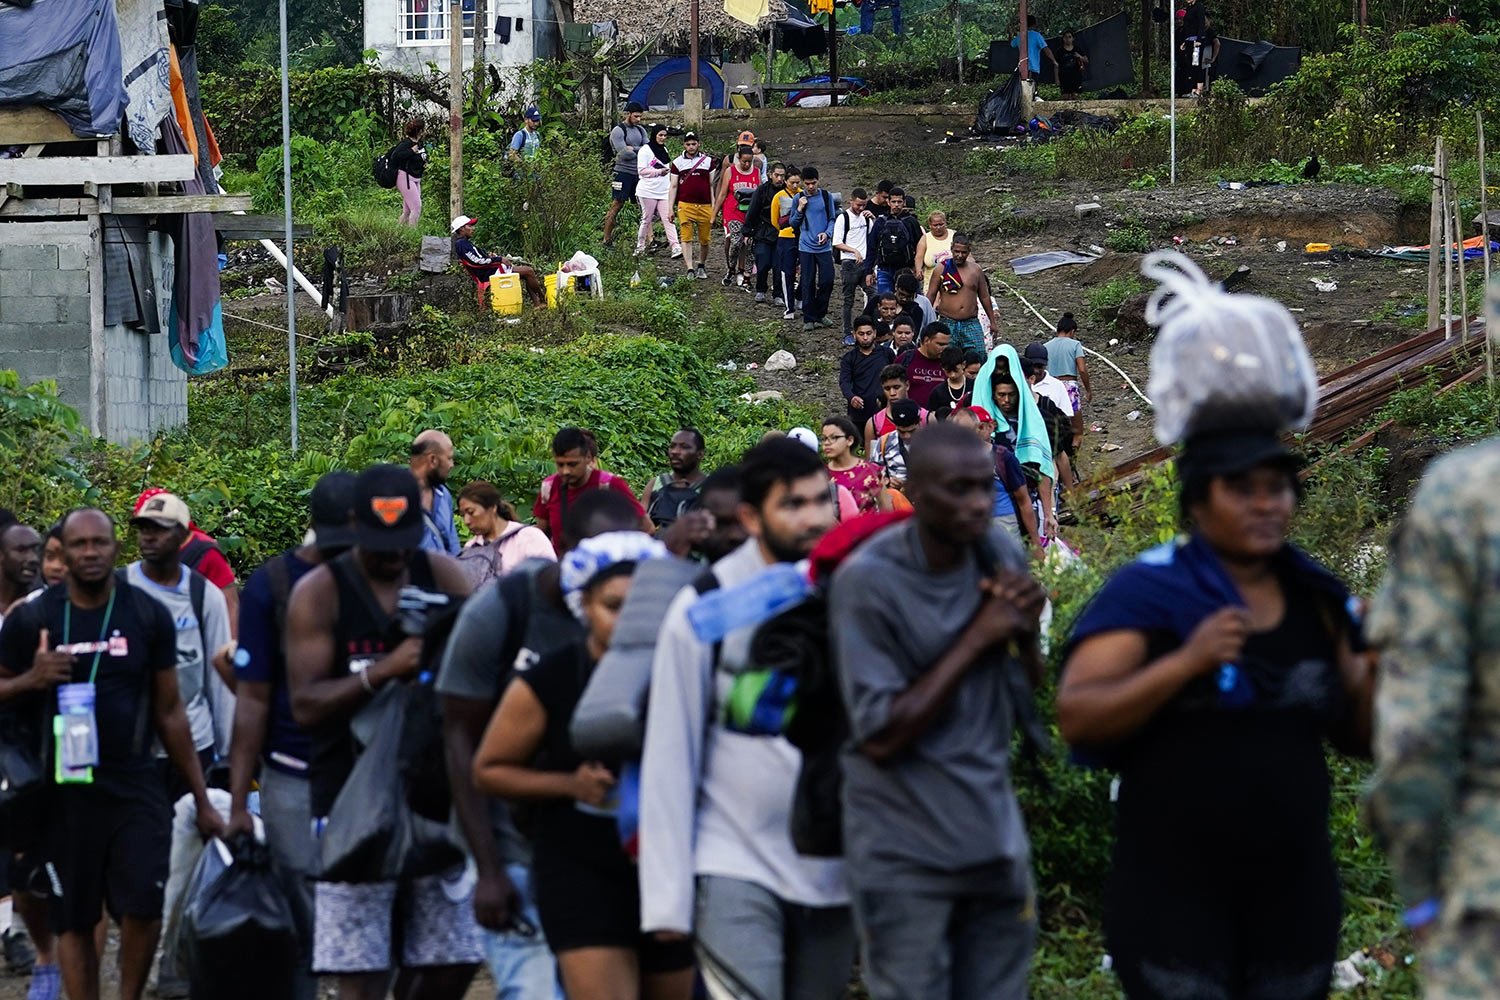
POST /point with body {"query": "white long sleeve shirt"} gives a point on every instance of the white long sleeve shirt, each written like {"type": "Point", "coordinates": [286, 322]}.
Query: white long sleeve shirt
{"type": "Point", "coordinates": [715, 802]}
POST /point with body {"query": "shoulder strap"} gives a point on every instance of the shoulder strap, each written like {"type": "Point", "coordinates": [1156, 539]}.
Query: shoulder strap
{"type": "Point", "coordinates": [194, 551]}
{"type": "Point", "coordinates": [279, 576]}
{"type": "Point", "coordinates": [827, 203]}
{"type": "Point", "coordinates": [197, 592]}
{"type": "Point", "coordinates": [707, 582]}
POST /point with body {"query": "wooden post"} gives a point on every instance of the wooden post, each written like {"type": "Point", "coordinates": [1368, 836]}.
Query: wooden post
{"type": "Point", "coordinates": [693, 44]}
{"type": "Point", "coordinates": [481, 15]}
{"type": "Point", "coordinates": [833, 58]}
{"type": "Point", "coordinates": [455, 108]}
{"type": "Point", "coordinates": [1447, 250]}
{"type": "Point", "coordinates": [1145, 48]}
{"type": "Point", "coordinates": [1484, 201]}
{"type": "Point", "coordinates": [958, 37]}
{"type": "Point", "coordinates": [1463, 275]}
{"type": "Point", "coordinates": [1434, 238]}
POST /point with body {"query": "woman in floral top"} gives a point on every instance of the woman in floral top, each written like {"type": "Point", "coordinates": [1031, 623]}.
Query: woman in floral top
{"type": "Point", "coordinates": [859, 477]}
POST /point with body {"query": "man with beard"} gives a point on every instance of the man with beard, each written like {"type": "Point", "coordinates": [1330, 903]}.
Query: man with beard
{"type": "Point", "coordinates": [575, 453]}
{"type": "Point", "coordinates": [717, 862]}
{"type": "Point", "coordinates": [341, 651]}
{"type": "Point", "coordinates": [107, 826]}
{"type": "Point", "coordinates": [20, 563]}
{"type": "Point", "coordinates": [673, 493]}
{"type": "Point", "coordinates": [935, 845]}
{"type": "Point", "coordinates": [431, 462]}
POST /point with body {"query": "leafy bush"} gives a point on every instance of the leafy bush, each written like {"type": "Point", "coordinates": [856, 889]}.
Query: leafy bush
{"type": "Point", "coordinates": [1129, 237]}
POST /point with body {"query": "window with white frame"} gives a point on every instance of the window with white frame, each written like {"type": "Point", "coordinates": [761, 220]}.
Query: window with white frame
{"type": "Point", "coordinates": [425, 22]}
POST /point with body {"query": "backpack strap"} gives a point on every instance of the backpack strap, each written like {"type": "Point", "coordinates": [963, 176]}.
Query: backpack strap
{"type": "Point", "coordinates": [197, 592]}
{"type": "Point", "coordinates": [706, 583]}
{"type": "Point", "coordinates": [194, 551]}
{"type": "Point", "coordinates": [279, 576]}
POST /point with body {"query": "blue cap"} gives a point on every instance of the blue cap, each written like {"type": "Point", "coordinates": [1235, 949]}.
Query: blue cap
{"type": "Point", "coordinates": [532, 114]}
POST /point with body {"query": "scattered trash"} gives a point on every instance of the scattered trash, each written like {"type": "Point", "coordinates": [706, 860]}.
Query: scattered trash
{"type": "Point", "coordinates": [1410, 311]}
{"type": "Point", "coordinates": [635, 279]}
{"type": "Point", "coordinates": [1109, 447]}
{"type": "Point", "coordinates": [537, 350]}
{"type": "Point", "coordinates": [1087, 208]}
{"type": "Point", "coordinates": [1032, 263]}
{"type": "Point", "coordinates": [1281, 246]}
{"type": "Point", "coordinates": [781, 361]}
{"type": "Point", "coordinates": [1095, 248]}
{"type": "Point", "coordinates": [752, 366]}
{"type": "Point", "coordinates": [764, 396]}
{"type": "Point", "coordinates": [1097, 428]}
{"type": "Point", "coordinates": [1177, 241]}
{"type": "Point", "coordinates": [1232, 185]}
{"type": "Point", "coordinates": [1114, 341]}
{"type": "Point", "coordinates": [1227, 241]}
{"type": "Point", "coordinates": [1133, 415]}
{"type": "Point", "coordinates": [1346, 976]}
{"type": "Point", "coordinates": [729, 366]}
{"type": "Point", "coordinates": [1324, 286]}
{"type": "Point", "coordinates": [1236, 278]}
{"type": "Point", "coordinates": [1318, 247]}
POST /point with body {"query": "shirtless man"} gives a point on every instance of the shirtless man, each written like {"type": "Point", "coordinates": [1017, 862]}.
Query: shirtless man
{"type": "Point", "coordinates": [958, 308]}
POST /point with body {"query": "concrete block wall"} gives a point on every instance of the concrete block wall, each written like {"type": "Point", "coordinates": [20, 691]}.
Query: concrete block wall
{"type": "Point", "coordinates": [50, 328]}
{"type": "Point", "coordinates": [44, 307]}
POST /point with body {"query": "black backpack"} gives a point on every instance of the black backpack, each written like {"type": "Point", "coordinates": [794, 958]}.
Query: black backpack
{"type": "Point", "coordinates": [384, 167]}
{"type": "Point", "coordinates": [893, 246]}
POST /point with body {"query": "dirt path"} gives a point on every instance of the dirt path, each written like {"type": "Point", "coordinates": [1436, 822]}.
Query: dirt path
{"type": "Point", "coordinates": [1262, 229]}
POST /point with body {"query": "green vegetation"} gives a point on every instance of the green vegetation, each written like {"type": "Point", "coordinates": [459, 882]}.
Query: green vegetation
{"type": "Point", "coordinates": [1130, 237]}
{"type": "Point", "coordinates": [1106, 298]}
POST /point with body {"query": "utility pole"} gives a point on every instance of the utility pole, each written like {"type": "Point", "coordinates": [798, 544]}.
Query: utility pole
{"type": "Point", "coordinates": [455, 108]}
{"type": "Point", "coordinates": [958, 35]}
{"type": "Point", "coordinates": [286, 206]}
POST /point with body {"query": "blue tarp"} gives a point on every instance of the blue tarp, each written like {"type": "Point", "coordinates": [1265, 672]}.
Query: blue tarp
{"type": "Point", "coordinates": [64, 55]}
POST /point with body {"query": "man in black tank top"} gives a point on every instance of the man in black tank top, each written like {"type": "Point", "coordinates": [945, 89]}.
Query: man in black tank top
{"type": "Point", "coordinates": [340, 652]}
{"type": "Point", "coordinates": [673, 493]}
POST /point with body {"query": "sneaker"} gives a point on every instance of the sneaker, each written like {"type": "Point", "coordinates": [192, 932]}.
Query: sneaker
{"type": "Point", "coordinates": [676, 252]}
{"type": "Point", "coordinates": [788, 315]}
{"type": "Point", "coordinates": [776, 301]}
{"type": "Point", "coordinates": [824, 323]}
{"type": "Point", "coordinates": [701, 273]}
{"type": "Point", "coordinates": [739, 279]}
{"type": "Point", "coordinates": [20, 957]}
{"type": "Point", "coordinates": [727, 280]}
{"type": "Point", "coordinates": [808, 327]}
{"type": "Point", "coordinates": [46, 983]}
{"type": "Point", "coordinates": [760, 298]}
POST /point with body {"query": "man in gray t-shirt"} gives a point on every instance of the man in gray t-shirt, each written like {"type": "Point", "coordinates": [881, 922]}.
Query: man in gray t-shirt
{"type": "Point", "coordinates": [935, 847]}
{"type": "Point", "coordinates": [626, 140]}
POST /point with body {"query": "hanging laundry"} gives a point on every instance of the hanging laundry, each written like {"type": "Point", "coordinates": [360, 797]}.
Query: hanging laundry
{"type": "Point", "coordinates": [502, 29]}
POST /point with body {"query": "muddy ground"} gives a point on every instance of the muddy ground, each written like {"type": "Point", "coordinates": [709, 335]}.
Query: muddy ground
{"type": "Point", "coordinates": [1264, 229]}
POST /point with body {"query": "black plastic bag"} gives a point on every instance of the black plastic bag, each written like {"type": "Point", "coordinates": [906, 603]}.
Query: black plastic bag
{"type": "Point", "coordinates": [212, 863]}
{"type": "Point", "coordinates": [1000, 112]}
{"type": "Point", "coordinates": [364, 839]}
{"type": "Point", "coordinates": [243, 935]}
{"type": "Point", "coordinates": [372, 834]}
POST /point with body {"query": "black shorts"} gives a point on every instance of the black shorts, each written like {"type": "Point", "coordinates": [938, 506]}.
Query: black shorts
{"type": "Point", "coordinates": [622, 186]}
{"type": "Point", "coordinates": [587, 903]}
{"type": "Point", "coordinates": [108, 845]}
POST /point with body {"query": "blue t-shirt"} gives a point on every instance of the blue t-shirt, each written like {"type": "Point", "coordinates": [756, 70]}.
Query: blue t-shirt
{"type": "Point", "coordinates": [1008, 477]}
{"type": "Point", "coordinates": [1035, 43]}
{"type": "Point", "coordinates": [1062, 357]}
{"type": "Point", "coordinates": [438, 532]}
{"type": "Point", "coordinates": [526, 142]}
{"type": "Point", "coordinates": [261, 660]}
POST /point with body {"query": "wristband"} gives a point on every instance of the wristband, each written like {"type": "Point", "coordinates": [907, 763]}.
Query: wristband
{"type": "Point", "coordinates": [1421, 915]}
{"type": "Point", "coordinates": [364, 681]}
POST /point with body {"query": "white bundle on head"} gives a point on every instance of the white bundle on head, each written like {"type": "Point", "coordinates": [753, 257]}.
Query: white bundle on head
{"type": "Point", "coordinates": [1222, 360]}
{"type": "Point", "coordinates": [597, 554]}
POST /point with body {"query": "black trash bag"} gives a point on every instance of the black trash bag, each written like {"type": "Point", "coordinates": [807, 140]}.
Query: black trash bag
{"type": "Point", "coordinates": [213, 862]}
{"type": "Point", "coordinates": [23, 786]}
{"type": "Point", "coordinates": [1000, 112]}
{"type": "Point", "coordinates": [372, 834]}
{"type": "Point", "coordinates": [243, 937]}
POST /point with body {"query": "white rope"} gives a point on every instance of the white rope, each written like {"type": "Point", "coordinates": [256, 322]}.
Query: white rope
{"type": "Point", "coordinates": [1048, 323]}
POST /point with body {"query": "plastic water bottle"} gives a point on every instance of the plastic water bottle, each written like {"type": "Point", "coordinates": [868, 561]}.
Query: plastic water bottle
{"type": "Point", "coordinates": [635, 279]}
{"type": "Point", "coordinates": [763, 596]}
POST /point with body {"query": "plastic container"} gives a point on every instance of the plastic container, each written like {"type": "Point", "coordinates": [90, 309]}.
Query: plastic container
{"type": "Point", "coordinates": [505, 294]}
{"type": "Point", "coordinates": [553, 281]}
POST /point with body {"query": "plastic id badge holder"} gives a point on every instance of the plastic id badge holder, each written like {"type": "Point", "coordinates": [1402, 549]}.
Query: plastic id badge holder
{"type": "Point", "coordinates": [76, 730]}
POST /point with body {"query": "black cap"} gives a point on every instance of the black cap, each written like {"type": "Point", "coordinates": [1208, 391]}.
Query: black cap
{"type": "Point", "coordinates": [689, 135]}
{"type": "Point", "coordinates": [1036, 351]}
{"type": "Point", "coordinates": [387, 509]}
{"type": "Point", "coordinates": [634, 108]}
{"type": "Point", "coordinates": [332, 508]}
{"type": "Point", "coordinates": [1226, 452]}
{"type": "Point", "coordinates": [905, 412]}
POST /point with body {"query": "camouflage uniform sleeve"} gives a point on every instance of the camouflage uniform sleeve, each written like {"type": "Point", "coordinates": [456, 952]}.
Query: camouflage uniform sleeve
{"type": "Point", "coordinates": [1422, 621]}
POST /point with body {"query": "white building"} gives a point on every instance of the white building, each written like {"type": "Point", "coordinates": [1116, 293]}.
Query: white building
{"type": "Point", "coordinates": [409, 34]}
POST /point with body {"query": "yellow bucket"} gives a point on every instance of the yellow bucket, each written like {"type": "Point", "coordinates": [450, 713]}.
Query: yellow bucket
{"type": "Point", "coordinates": [552, 282]}
{"type": "Point", "coordinates": [505, 294]}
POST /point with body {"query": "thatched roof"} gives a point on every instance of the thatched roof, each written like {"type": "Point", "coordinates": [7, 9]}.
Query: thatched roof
{"type": "Point", "coordinates": [668, 19]}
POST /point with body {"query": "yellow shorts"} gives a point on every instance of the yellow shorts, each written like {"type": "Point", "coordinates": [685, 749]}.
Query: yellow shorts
{"type": "Point", "coordinates": [698, 218]}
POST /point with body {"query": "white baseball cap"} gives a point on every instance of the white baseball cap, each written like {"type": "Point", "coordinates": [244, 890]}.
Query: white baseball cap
{"type": "Point", "coordinates": [165, 509]}
{"type": "Point", "coordinates": [459, 221]}
{"type": "Point", "coordinates": [803, 436]}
